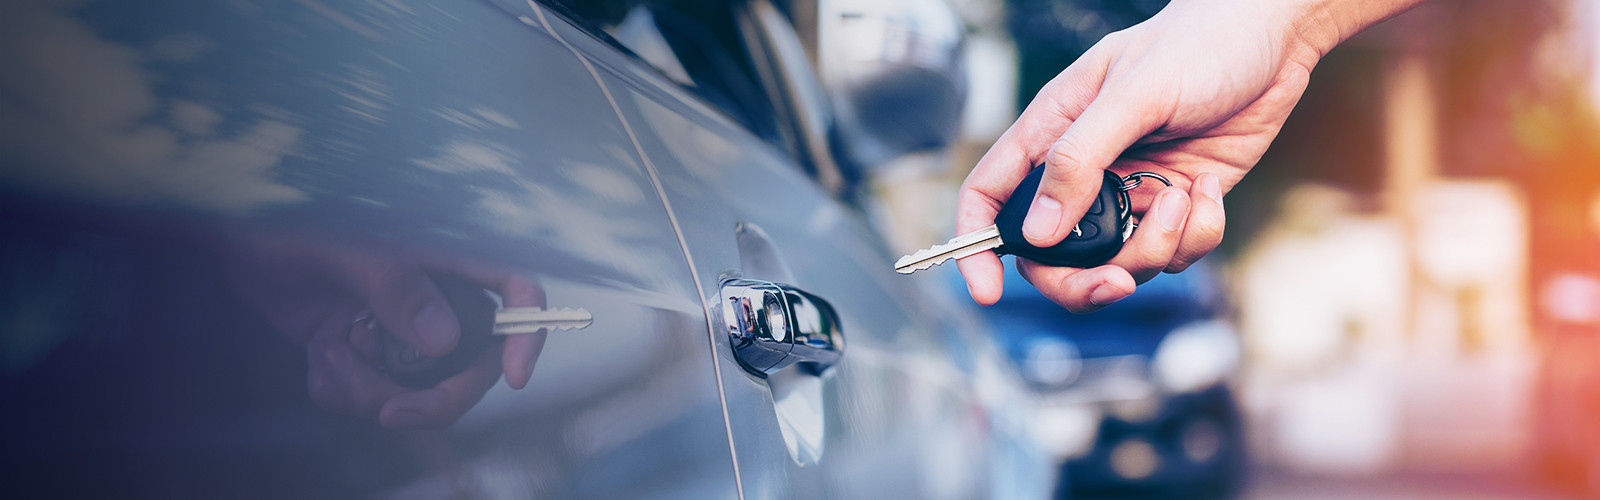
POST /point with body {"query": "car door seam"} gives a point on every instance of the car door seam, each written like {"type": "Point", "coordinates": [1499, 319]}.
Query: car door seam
{"type": "Point", "coordinates": [683, 245]}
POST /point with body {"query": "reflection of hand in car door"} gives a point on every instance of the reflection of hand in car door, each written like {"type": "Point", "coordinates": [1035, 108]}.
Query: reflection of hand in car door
{"type": "Point", "coordinates": [335, 300]}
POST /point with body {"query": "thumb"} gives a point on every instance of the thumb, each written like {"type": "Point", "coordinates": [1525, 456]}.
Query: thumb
{"type": "Point", "coordinates": [1072, 169]}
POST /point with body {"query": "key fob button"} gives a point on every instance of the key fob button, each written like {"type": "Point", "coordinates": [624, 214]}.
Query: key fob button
{"type": "Point", "coordinates": [1094, 242]}
{"type": "Point", "coordinates": [1084, 231]}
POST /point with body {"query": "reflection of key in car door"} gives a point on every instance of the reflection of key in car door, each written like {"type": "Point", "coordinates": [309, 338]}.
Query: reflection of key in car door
{"type": "Point", "coordinates": [482, 321]}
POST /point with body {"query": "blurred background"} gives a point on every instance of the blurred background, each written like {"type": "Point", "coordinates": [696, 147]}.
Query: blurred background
{"type": "Point", "coordinates": [1407, 302]}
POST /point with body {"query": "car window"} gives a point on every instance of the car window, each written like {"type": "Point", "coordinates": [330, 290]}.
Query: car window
{"type": "Point", "coordinates": [694, 44]}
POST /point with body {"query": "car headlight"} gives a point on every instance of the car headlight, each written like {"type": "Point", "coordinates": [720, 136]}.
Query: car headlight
{"type": "Point", "coordinates": [1197, 356]}
{"type": "Point", "coordinates": [1051, 362]}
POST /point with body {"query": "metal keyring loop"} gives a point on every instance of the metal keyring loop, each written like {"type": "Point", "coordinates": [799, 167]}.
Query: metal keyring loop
{"type": "Point", "coordinates": [1137, 179]}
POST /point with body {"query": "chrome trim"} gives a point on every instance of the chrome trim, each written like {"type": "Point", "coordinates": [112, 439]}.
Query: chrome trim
{"type": "Point", "coordinates": [771, 326]}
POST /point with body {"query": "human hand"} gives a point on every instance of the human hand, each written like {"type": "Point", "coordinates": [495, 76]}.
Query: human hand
{"type": "Point", "coordinates": [1195, 94]}
{"type": "Point", "coordinates": [336, 301]}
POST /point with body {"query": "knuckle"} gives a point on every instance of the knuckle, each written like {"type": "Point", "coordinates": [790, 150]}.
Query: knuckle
{"type": "Point", "coordinates": [1198, 241]}
{"type": "Point", "coordinates": [1113, 38]}
{"type": "Point", "coordinates": [1178, 266]}
{"type": "Point", "coordinates": [1206, 229]}
{"type": "Point", "coordinates": [1064, 154]}
{"type": "Point", "coordinates": [1145, 263]}
{"type": "Point", "coordinates": [1080, 307]}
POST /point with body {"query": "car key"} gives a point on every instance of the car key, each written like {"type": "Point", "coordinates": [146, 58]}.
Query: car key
{"type": "Point", "coordinates": [482, 323]}
{"type": "Point", "coordinates": [1093, 241]}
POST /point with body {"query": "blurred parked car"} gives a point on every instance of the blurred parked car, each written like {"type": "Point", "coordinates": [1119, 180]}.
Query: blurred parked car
{"type": "Point", "coordinates": [254, 249]}
{"type": "Point", "coordinates": [1135, 398]}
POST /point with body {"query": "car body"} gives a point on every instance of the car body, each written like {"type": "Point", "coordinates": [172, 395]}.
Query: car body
{"type": "Point", "coordinates": [225, 221]}
{"type": "Point", "coordinates": [1135, 398]}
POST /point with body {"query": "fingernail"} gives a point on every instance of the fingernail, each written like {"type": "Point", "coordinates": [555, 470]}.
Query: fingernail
{"type": "Point", "coordinates": [1105, 294]}
{"type": "Point", "coordinates": [1172, 210]}
{"type": "Point", "coordinates": [435, 328]}
{"type": "Point", "coordinates": [1211, 187]}
{"type": "Point", "coordinates": [1043, 218]}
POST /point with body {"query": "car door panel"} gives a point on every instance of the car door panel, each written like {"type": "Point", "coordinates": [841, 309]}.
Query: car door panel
{"type": "Point", "coordinates": [187, 184]}
{"type": "Point", "coordinates": [898, 417]}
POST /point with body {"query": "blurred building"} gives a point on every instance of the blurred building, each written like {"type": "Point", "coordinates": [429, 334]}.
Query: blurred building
{"type": "Point", "coordinates": [1396, 319]}
{"type": "Point", "coordinates": [1417, 258]}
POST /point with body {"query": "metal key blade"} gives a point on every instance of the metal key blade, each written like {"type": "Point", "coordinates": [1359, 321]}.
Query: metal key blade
{"type": "Point", "coordinates": [520, 320]}
{"type": "Point", "coordinates": [961, 246]}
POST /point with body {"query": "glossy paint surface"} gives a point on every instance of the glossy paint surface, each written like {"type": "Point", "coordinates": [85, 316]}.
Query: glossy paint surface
{"type": "Point", "coordinates": [196, 191]}
{"type": "Point", "coordinates": [900, 415]}
{"type": "Point", "coordinates": [203, 202]}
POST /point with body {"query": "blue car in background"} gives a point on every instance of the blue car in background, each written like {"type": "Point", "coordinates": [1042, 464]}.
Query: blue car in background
{"type": "Point", "coordinates": [1134, 399]}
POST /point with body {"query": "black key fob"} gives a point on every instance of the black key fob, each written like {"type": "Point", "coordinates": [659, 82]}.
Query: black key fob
{"type": "Point", "coordinates": [1095, 239]}
{"type": "Point", "coordinates": [474, 309]}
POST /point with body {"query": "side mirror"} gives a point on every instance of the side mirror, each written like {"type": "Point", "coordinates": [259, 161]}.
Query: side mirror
{"type": "Point", "coordinates": [894, 68]}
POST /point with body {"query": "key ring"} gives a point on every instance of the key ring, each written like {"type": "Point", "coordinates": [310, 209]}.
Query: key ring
{"type": "Point", "coordinates": [1137, 179]}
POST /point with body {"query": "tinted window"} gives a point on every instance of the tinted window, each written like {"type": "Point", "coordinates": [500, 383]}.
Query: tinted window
{"type": "Point", "coordinates": [695, 44]}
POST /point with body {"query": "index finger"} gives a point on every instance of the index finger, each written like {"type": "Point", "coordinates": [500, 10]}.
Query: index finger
{"type": "Point", "coordinates": [1022, 146]}
{"type": "Point", "coordinates": [1027, 141]}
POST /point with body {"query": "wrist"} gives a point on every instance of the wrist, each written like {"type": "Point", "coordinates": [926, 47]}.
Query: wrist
{"type": "Point", "coordinates": [1320, 25]}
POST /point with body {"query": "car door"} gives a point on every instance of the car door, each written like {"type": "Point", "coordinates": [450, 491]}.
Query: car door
{"type": "Point", "coordinates": [220, 218]}
{"type": "Point", "coordinates": [898, 415]}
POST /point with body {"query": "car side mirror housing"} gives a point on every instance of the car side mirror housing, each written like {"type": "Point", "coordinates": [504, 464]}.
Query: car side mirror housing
{"type": "Point", "coordinates": [895, 70]}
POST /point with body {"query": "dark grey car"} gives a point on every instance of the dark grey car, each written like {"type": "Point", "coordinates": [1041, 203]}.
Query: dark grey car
{"type": "Point", "coordinates": [245, 244]}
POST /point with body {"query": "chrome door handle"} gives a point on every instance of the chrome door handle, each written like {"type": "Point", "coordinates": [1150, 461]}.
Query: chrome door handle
{"type": "Point", "coordinates": [772, 326]}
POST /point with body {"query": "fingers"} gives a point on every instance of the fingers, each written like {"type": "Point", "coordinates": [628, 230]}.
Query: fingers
{"type": "Point", "coordinates": [1027, 141]}
{"type": "Point", "coordinates": [1065, 192]}
{"type": "Point", "coordinates": [1074, 165]}
{"type": "Point", "coordinates": [985, 276]}
{"type": "Point", "coordinates": [339, 380]}
{"type": "Point", "coordinates": [983, 272]}
{"type": "Point", "coordinates": [406, 303]}
{"type": "Point", "coordinates": [1176, 230]}
{"type": "Point", "coordinates": [443, 404]}
{"type": "Point", "coordinates": [1152, 247]}
{"type": "Point", "coordinates": [1079, 290]}
{"type": "Point", "coordinates": [1203, 231]}
{"type": "Point", "coordinates": [521, 354]}
{"type": "Point", "coordinates": [521, 351]}
{"type": "Point", "coordinates": [1010, 159]}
